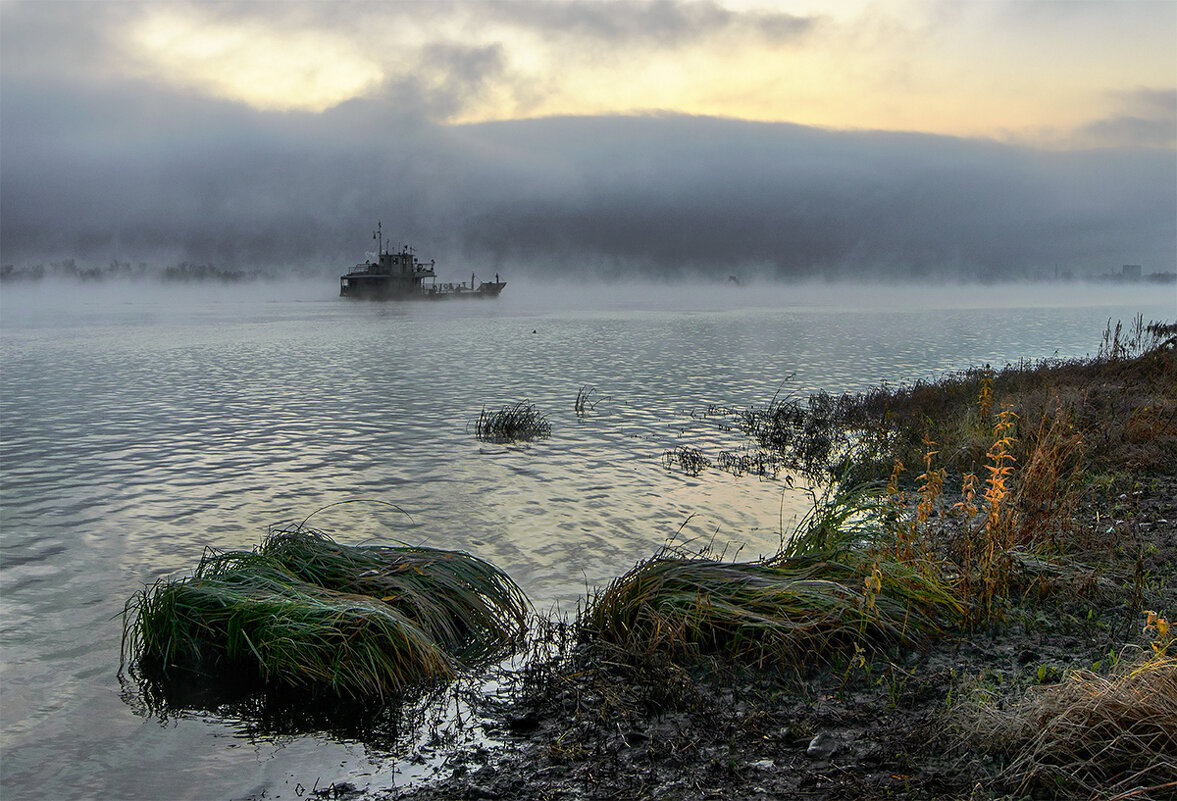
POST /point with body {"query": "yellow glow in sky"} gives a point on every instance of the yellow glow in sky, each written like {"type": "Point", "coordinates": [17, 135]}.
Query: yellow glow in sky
{"type": "Point", "coordinates": [1034, 71]}
{"type": "Point", "coordinates": [249, 62]}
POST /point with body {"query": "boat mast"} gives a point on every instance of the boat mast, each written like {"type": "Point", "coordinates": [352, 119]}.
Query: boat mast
{"type": "Point", "coordinates": [379, 240]}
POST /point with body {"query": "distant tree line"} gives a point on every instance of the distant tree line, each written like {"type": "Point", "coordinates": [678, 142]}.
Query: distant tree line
{"type": "Point", "coordinates": [184, 272]}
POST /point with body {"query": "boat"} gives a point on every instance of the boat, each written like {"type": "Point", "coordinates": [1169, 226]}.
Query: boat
{"type": "Point", "coordinates": [402, 276]}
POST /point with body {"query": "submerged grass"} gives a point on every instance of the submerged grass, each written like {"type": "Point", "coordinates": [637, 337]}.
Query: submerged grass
{"type": "Point", "coordinates": [304, 611]}
{"type": "Point", "coordinates": [584, 401]}
{"type": "Point", "coordinates": [691, 461]}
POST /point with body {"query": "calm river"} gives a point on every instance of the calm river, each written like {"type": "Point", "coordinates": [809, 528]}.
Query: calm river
{"type": "Point", "coordinates": [141, 424]}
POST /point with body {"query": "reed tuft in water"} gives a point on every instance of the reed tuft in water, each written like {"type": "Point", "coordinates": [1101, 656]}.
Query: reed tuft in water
{"type": "Point", "coordinates": [584, 400]}
{"type": "Point", "coordinates": [691, 461]}
{"type": "Point", "coordinates": [516, 422]}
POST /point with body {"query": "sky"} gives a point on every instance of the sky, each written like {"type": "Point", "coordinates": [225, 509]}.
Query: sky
{"type": "Point", "coordinates": [976, 138]}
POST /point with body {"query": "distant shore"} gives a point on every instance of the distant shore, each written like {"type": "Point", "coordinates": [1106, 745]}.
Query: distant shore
{"type": "Point", "coordinates": [186, 272]}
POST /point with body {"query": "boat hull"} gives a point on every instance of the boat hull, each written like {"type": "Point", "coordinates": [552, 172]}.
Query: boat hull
{"type": "Point", "coordinates": [379, 287]}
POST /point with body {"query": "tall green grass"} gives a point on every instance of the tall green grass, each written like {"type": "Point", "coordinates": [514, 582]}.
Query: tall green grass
{"type": "Point", "coordinates": [469, 606]}
{"type": "Point", "coordinates": [829, 590]}
{"type": "Point", "coordinates": [304, 611]}
{"type": "Point", "coordinates": [258, 624]}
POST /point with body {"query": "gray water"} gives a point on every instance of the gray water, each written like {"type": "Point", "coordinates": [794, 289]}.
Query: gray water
{"type": "Point", "coordinates": [141, 424]}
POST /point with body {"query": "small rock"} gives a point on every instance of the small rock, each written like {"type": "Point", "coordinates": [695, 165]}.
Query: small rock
{"type": "Point", "coordinates": [822, 746]}
{"type": "Point", "coordinates": [763, 764]}
{"type": "Point", "coordinates": [523, 724]}
{"type": "Point", "coordinates": [635, 738]}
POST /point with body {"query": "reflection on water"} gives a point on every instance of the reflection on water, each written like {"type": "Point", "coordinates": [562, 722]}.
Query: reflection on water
{"type": "Point", "coordinates": [140, 428]}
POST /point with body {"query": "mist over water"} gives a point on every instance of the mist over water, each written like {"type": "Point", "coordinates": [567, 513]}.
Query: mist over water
{"type": "Point", "coordinates": [144, 422]}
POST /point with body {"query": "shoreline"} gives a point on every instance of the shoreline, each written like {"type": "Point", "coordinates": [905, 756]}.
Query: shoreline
{"type": "Point", "coordinates": [733, 733]}
{"type": "Point", "coordinates": [594, 721]}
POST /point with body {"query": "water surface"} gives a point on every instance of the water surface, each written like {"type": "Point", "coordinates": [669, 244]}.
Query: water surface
{"type": "Point", "coordinates": [141, 424]}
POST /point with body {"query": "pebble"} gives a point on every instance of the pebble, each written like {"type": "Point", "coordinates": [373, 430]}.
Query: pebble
{"type": "Point", "coordinates": [822, 746]}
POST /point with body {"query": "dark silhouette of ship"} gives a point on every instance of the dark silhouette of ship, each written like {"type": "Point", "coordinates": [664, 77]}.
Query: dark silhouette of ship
{"type": "Point", "coordinates": [402, 276]}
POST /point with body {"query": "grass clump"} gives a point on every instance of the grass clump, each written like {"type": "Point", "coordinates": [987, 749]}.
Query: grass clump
{"type": "Point", "coordinates": [304, 611]}
{"type": "Point", "coordinates": [468, 606]}
{"type": "Point", "coordinates": [515, 422]}
{"type": "Point", "coordinates": [830, 591]}
{"type": "Point", "coordinates": [261, 625]}
{"type": "Point", "coordinates": [1091, 735]}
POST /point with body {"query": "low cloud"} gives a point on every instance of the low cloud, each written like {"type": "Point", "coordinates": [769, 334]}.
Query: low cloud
{"type": "Point", "coordinates": [660, 22]}
{"type": "Point", "coordinates": [1148, 119]}
{"type": "Point", "coordinates": [97, 166]}
{"type": "Point", "coordinates": [156, 176]}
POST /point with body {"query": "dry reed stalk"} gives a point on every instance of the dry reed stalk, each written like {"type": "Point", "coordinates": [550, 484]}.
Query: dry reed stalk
{"type": "Point", "coordinates": [993, 566]}
{"type": "Point", "coordinates": [1049, 485]}
{"type": "Point", "coordinates": [985, 396]}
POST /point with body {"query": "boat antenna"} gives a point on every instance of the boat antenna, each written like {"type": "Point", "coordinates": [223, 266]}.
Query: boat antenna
{"type": "Point", "coordinates": [379, 237]}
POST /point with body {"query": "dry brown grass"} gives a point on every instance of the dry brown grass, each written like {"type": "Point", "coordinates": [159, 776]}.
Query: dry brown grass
{"type": "Point", "coordinates": [1092, 735]}
{"type": "Point", "coordinates": [1122, 404]}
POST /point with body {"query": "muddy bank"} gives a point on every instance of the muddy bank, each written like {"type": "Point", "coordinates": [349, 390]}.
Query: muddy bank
{"type": "Point", "coordinates": [1058, 562]}
{"type": "Point", "coordinates": [585, 728]}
